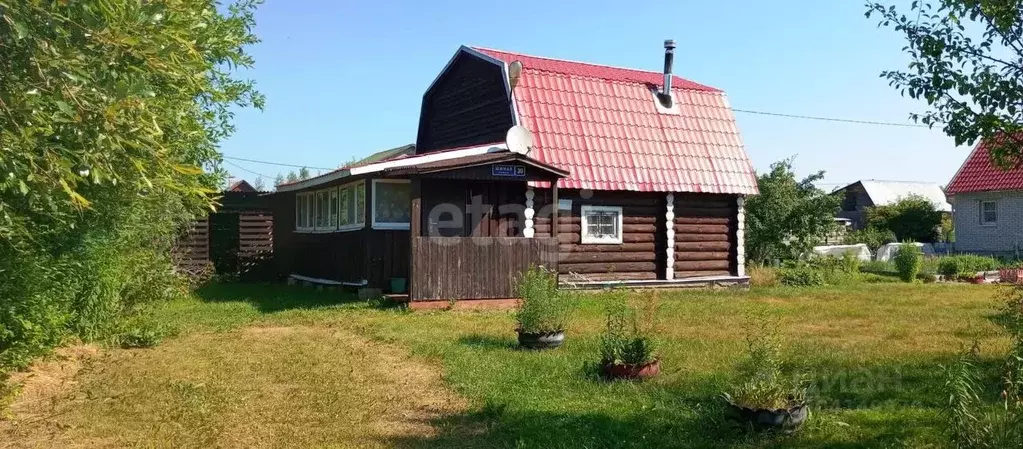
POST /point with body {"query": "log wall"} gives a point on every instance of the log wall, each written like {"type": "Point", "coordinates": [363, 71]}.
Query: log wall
{"type": "Point", "coordinates": [640, 255]}
{"type": "Point", "coordinates": [704, 235]}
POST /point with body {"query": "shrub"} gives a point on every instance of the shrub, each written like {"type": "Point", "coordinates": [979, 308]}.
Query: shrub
{"type": "Point", "coordinates": [873, 237]}
{"type": "Point", "coordinates": [878, 266]}
{"type": "Point", "coordinates": [762, 382]}
{"type": "Point", "coordinates": [965, 265]}
{"type": "Point", "coordinates": [850, 262]}
{"type": "Point", "coordinates": [763, 277]}
{"type": "Point", "coordinates": [801, 276]}
{"type": "Point", "coordinates": [628, 333]}
{"type": "Point", "coordinates": [907, 262]}
{"type": "Point", "coordinates": [542, 308]}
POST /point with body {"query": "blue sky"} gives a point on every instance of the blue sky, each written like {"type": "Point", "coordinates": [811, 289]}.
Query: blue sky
{"type": "Point", "coordinates": [344, 79]}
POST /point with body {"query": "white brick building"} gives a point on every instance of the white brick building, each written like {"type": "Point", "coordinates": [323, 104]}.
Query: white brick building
{"type": "Point", "coordinates": [987, 205]}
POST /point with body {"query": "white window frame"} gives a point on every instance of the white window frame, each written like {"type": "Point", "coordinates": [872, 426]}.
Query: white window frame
{"type": "Point", "coordinates": [984, 222]}
{"type": "Point", "coordinates": [353, 186]}
{"type": "Point", "coordinates": [603, 240]}
{"type": "Point", "coordinates": [299, 198]}
{"type": "Point", "coordinates": [373, 206]}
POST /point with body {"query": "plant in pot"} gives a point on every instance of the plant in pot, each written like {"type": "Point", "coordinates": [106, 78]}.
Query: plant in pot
{"type": "Point", "coordinates": [542, 309]}
{"type": "Point", "coordinates": [627, 347]}
{"type": "Point", "coordinates": [765, 396]}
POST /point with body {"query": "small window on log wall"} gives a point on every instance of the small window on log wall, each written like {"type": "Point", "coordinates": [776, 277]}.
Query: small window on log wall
{"type": "Point", "coordinates": [601, 224]}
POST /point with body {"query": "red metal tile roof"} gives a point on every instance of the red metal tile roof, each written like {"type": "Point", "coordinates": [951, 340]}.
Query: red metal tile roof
{"type": "Point", "coordinates": [602, 124]}
{"type": "Point", "coordinates": [980, 174]}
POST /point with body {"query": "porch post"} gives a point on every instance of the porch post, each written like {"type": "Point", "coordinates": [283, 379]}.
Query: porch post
{"type": "Point", "coordinates": [554, 210]}
{"type": "Point", "coordinates": [528, 230]}
{"type": "Point", "coordinates": [415, 231]}
{"type": "Point", "coordinates": [740, 236]}
{"type": "Point", "coordinates": [669, 224]}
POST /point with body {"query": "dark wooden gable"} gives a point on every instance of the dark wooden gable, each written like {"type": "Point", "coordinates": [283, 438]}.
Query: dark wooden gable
{"type": "Point", "coordinates": [467, 105]}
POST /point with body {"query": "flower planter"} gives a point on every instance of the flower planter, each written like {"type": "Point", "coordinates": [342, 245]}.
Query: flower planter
{"type": "Point", "coordinates": [631, 372]}
{"type": "Point", "coordinates": [541, 340]}
{"type": "Point", "coordinates": [766, 419]}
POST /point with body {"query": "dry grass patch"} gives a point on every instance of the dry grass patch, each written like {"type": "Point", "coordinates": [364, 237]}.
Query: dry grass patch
{"type": "Point", "coordinates": [254, 387]}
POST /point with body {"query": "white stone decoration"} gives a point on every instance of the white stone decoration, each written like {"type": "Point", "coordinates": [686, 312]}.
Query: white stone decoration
{"type": "Point", "coordinates": [669, 220]}
{"type": "Point", "coordinates": [740, 236]}
{"type": "Point", "coordinates": [528, 231]}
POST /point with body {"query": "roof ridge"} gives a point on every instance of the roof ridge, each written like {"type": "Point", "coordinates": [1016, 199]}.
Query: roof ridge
{"type": "Point", "coordinates": [569, 60]}
{"type": "Point", "coordinates": [592, 64]}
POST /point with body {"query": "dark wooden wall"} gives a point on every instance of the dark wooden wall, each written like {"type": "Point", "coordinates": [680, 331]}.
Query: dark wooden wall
{"type": "Point", "coordinates": [487, 208]}
{"type": "Point", "coordinates": [475, 268]}
{"type": "Point", "coordinates": [469, 105]}
{"type": "Point", "coordinates": [374, 255]}
{"type": "Point", "coordinates": [644, 239]}
{"type": "Point", "coordinates": [705, 228]}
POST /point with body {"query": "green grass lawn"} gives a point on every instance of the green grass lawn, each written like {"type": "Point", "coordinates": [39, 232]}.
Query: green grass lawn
{"type": "Point", "coordinates": [280, 366]}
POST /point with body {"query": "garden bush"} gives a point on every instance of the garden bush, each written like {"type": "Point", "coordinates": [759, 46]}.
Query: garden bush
{"type": "Point", "coordinates": [907, 262]}
{"type": "Point", "coordinates": [629, 331]}
{"type": "Point", "coordinates": [802, 276]}
{"type": "Point", "coordinates": [543, 308]}
{"type": "Point", "coordinates": [878, 266]}
{"type": "Point", "coordinates": [965, 265]}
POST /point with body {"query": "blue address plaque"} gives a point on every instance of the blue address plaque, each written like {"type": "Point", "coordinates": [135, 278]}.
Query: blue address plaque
{"type": "Point", "coordinates": [510, 171]}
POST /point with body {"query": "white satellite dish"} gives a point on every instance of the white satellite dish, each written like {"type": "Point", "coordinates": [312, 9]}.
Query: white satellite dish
{"type": "Point", "coordinates": [514, 73]}
{"type": "Point", "coordinates": [519, 139]}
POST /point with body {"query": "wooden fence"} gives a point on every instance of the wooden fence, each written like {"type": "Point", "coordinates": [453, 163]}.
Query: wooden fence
{"type": "Point", "coordinates": [254, 238]}
{"type": "Point", "coordinates": [455, 268]}
{"type": "Point", "coordinates": [192, 249]}
{"type": "Point", "coordinates": [255, 231]}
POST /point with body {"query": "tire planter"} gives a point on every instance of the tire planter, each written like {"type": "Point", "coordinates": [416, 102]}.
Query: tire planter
{"type": "Point", "coordinates": [632, 372]}
{"type": "Point", "coordinates": [542, 340]}
{"type": "Point", "coordinates": [766, 419]}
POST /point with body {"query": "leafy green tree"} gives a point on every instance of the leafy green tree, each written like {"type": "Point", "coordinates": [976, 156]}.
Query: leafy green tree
{"type": "Point", "coordinates": [913, 218]}
{"type": "Point", "coordinates": [303, 173]}
{"type": "Point", "coordinates": [110, 117]}
{"type": "Point", "coordinates": [966, 63]}
{"type": "Point", "coordinates": [292, 177]}
{"type": "Point", "coordinates": [259, 185]}
{"type": "Point", "coordinates": [278, 180]}
{"type": "Point", "coordinates": [789, 216]}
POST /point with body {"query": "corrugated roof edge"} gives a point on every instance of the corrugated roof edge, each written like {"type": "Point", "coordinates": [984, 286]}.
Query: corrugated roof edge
{"type": "Point", "coordinates": [692, 85]}
{"type": "Point", "coordinates": [398, 161]}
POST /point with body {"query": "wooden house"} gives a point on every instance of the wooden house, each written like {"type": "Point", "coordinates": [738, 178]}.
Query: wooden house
{"type": "Point", "coordinates": [632, 177]}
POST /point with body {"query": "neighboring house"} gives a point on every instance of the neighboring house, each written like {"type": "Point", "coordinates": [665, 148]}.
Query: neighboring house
{"type": "Point", "coordinates": [988, 206]}
{"type": "Point", "coordinates": [860, 195]}
{"type": "Point", "coordinates": [241, 186]}
{"type": "Point", "coordinates": [627, 181]}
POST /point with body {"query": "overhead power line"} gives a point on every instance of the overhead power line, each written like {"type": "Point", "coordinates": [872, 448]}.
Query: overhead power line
{"type": "Point", "coordinates": [744, 111]}
{"type": "Point", "coordinates": [832, 119]}
{"type": "Point", "coordinates": [250, 171]}
{"type": "Point", "coordinates": [281, 164]}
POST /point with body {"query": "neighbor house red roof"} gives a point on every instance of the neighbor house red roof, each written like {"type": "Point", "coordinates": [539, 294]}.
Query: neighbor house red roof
{"type": "Point", "coordinates": [602, 124]}
{"type": "Point", "coordinates": [980, 174]}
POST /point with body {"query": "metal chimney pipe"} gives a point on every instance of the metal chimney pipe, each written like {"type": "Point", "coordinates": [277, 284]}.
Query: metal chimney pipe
{"type": "Point", "coordinates": [669, 58]}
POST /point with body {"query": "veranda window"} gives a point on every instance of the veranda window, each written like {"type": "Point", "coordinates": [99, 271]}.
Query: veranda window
{"type": "Point", "coordinates": [391, 204]}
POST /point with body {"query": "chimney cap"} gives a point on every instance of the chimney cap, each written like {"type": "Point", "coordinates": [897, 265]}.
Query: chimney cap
{"type": "Point", "coordinates": [669, 44]}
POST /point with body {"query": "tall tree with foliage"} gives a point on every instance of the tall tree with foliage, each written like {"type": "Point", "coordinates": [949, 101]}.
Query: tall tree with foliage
{"type": "Point", "coordinates": [110, 117]}
{"type": "Point", "coordinates": [966, 62]}
{"type": "Point", "coordinates": [789, 216]}
{"type": "Point", "coordinates": [913, 218]}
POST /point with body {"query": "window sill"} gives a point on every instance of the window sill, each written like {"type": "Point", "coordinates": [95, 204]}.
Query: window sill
{"type": "Point", "coordinates": [391, 226]}
{"type": "Point", "coordinates": [989, 225]}
{"type": "Point", "coordinates": [600, 241]}
{"type": "Point", "coordinates": [328, 231]}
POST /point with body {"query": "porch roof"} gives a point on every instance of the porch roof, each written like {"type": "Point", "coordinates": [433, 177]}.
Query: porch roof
{"type": "Point", "coordinates": [475, 161]}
